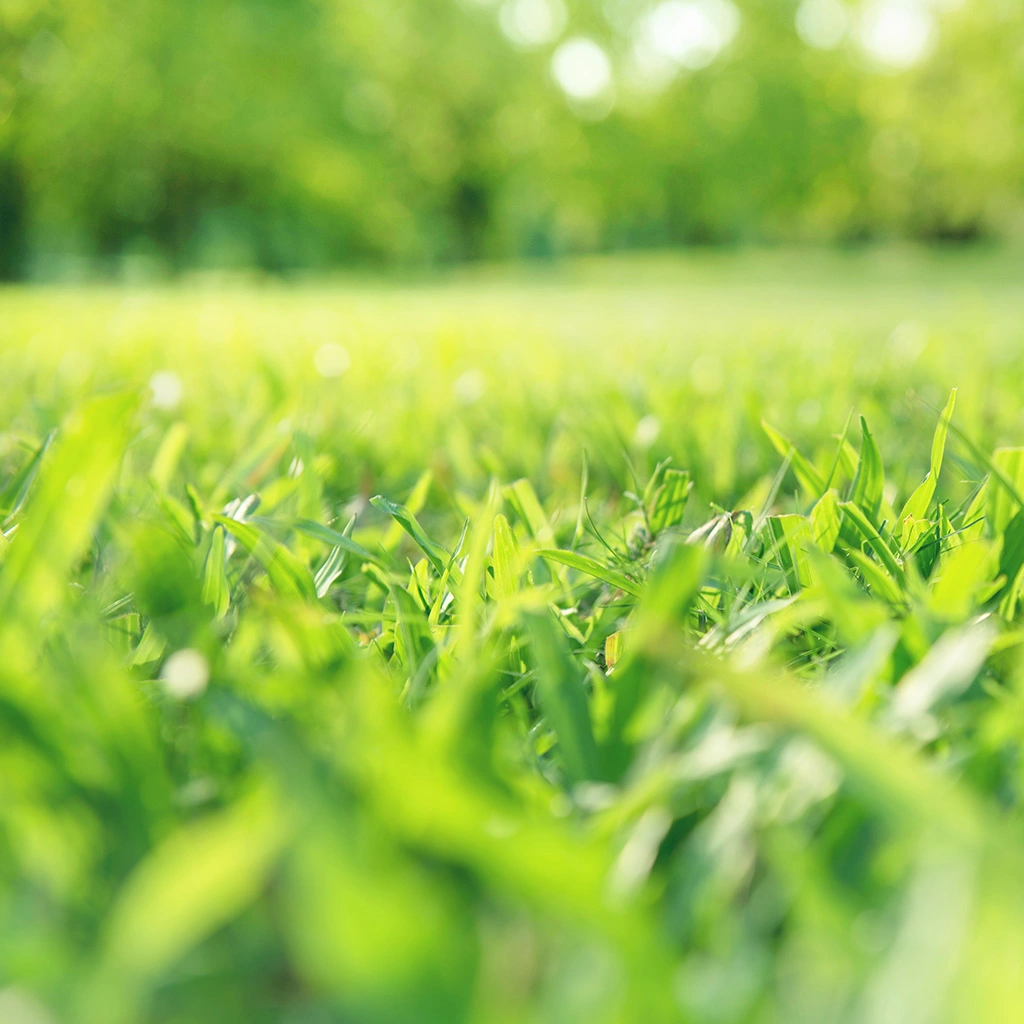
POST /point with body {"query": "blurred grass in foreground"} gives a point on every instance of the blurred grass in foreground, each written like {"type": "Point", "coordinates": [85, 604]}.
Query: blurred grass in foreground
{"type": "Point", "coordinates": [365, 660]}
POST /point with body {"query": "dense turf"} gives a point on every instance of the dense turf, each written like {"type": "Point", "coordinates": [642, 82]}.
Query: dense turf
{"type": "Point", "coordinates": [476, 652]}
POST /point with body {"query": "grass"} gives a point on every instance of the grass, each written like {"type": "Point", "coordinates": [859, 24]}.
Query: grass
{"type": "Point", "coordinates": [639, 642]}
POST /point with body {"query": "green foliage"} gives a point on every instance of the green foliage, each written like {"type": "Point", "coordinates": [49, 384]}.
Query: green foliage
{"type": "Point", "coordinates": [140, 137]}
{"type": "Point", "coordinates": [525, 736]}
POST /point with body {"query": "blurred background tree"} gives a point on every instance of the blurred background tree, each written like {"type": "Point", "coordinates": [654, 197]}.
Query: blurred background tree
{"type": "Point", "coordinates": [143, 136]}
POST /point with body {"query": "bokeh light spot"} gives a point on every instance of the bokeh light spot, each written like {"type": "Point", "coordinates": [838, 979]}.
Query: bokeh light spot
{"type": "Point", "coordinates": [690, 33]}
{"type": "Point", "coordinates": [822, 24]}
{"type": "Point", "coordinates": [470, 387]}
{"type": "Point", "coordinates": [647, 431]}
{"type": "Point", "coordinates": [331, 359]}
{"type": "Point", "coordinates": [582, 69]}
{"type": "Point", "coordinates": [167, 390]}
{"type": "Point", "coordinates": [897, 33]}
{"type": "Point", "coordinates": [185, 674]}
{"type": "Point", "coordinates": [532, 23]}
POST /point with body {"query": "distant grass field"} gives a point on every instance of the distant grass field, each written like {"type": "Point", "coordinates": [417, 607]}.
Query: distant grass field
{"type": "Point", "coordinates": [626, 640]}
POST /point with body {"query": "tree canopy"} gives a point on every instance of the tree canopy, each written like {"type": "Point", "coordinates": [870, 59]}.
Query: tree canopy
{"type": "Point", "coordinates": [142, 133]}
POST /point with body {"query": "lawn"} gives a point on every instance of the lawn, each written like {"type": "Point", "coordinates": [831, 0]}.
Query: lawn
{"type": "Point", "coordinates": [610, 641]}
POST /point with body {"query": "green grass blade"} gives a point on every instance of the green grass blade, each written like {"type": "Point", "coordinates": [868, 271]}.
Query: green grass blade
{"type": "Point", "coordinates": [286, 573]}
{"type": "Point", "coordinates": [506, 560]}
{"type": "Point", "coordinates": [563, 698]}
{"type": "Point", "coordinates": [337, 539]}
{"type": "Point", "coordinates": [216, 591]}
{"type": "Point", "coordinates": [878, 544]}
{"type": "Point", "coordinates": [869, 481]}
{"type": "Point", "coordinates": [669, 501]}
{"type": "Point", "coordinates": [826, 521]}
{"type": "Point", "coordinates": [919, 502]}
{"type": "Point", "coordinates": [591, 567]}
{"type": "Point", "coordinates": [437, 555]}
{"type": "Point", "coordinates": [15, 493]}
{"type": "Point", "coordinates": [810, 479]}
{"type": "Point", "coordinates": [75, 484]}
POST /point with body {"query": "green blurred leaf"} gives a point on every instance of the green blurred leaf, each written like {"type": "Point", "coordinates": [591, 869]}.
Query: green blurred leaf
{"type": "Point", "coordinates": [194, 882]}
{"type": "Point", "coordinates": [75, 483]}
{"type": "Point", "coordinates": [168, 455]}
{"type": "Point", "coordinates": [1003, 503]}
{"type": "Point", "coordinates": [563, 698]}
{"type": "Point", "coordinates": [16, 491]}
